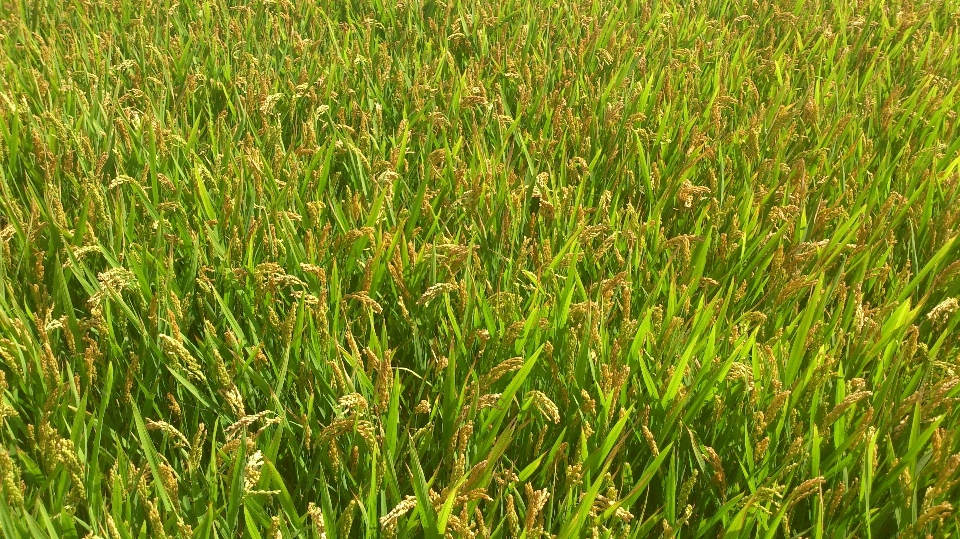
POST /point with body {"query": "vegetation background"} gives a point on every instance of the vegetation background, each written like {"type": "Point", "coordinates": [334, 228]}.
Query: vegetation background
{"type": "Point", "coordinates": [418, 268]}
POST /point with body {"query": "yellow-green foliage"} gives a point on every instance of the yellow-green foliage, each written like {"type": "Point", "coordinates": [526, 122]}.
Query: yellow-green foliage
{"type": "Point", "coordinates": [465, 268]}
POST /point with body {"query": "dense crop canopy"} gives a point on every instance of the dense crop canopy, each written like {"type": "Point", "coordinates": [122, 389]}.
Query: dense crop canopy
{"type": "Point", "coordinates": [465, 268]}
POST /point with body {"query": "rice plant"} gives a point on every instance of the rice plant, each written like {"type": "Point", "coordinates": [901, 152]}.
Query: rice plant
{"type": "Point", "coordinates": [476, 269]}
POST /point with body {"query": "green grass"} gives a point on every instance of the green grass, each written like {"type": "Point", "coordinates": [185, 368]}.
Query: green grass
{"type": "Point", "coordinates": [424, 268]}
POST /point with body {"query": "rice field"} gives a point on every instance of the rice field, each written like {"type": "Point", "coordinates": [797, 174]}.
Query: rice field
{"type": "Point", "coordinates": [474, 269]}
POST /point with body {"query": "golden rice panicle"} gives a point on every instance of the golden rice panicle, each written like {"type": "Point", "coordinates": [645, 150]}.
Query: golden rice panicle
{"type": "Point", "coordinates": [112, 528]}
{"type": "Point", "coordinates": [689, 192]}
{"type": "Point", "coordinates": [346, 520]}
{"type": "Point", "coordinates": [354, 402]}
{"type": "Point", "coordinates": [181, 356]}
{"type": "Point", "coordinates": [10, 475]}
{"type": "Point", "coordinates": [423, 407]}
{"type": "Point", "coordinates": [463, 435]}
{"type": "Point", "coordinates": [8, 358]}
{"type": "Point", "coordinates": [335, 456]}
{"type": "Point", "coordinates": [804, 490]}
{"type": "Point", "coordinates": [385, 380]}
{"type": "Point", "coordinates": [513, 520]}
{"type": "Point", "coordinates": [168, 478]}
{"type": "Point", "coordinates": [776, 404]}
{"type": "Point", "coordinates": [946, 480]}
{"type": "Point", "coordinates": [942, 312]}
{"type": "Point", "coordinates": [234, 429]}
{"type": "Point", "coordinates": [687, 488]}
{"type": "Point", "coordinates": [510, 365]}
{"type": "Point", "coordinates": [316, 516]}
{"type": "Point", "coordinates": [170, 430]}
{"type": "Point", "coordinates": [67, 456]}
{"type": "Point", "coordinates": [482, 531]}
{"type": "Point", "coordinates": [91, 356]}
{"type": "Point", "coordinates": [174, 406]}
{"type": "Point", "coordinates": [651, 440]}
{"type": "Point", "coordinates": [845, 405]}
{"type": "Point", "coordinates": [251, 474]}
{"type": "Point", "coordinates": [718, 476]}
{"type": "Point", "coordinates": [388, 522]}
{"type": "Point", "coordinates": [536, 500]}
{"type": "Point", "coordinates": [544, 405]}
{"type": "Point", "coordinates": [836, 498]}
{"type": "Point", "coordinates": [588, 404]}
{"type": "Point", "coordinates": [196, 448]}
{"type": "Point", "coordinates": [762, 446]}
{"type": "Point", "coordinates": [153, 516]}
{"type": "Point", "coordinates": [231, 395]}
{"type": "Point", "coordinates": [274, 531]}
{"type": "Point", "coordinates": [5, 409]}
{"type": "Point", "coordinates": [435, 291]}
{"type": "Point", "coordinates": [938, 513]}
